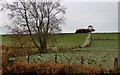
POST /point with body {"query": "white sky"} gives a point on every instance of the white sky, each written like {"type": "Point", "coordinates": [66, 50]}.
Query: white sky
{"type": "Point", "coordinates": [91, 0]}
{"type": "Point", "coordinates": [102, 14]}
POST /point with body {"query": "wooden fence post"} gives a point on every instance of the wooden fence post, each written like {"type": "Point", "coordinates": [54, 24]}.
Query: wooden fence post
{"type": "Point", "coordinates": [82, 60]}
{"type": "Point", "coordinates": [28, 58]}
{"type": "Point", "coordinates": [56, 58]}
{"type": "Point", "coordinates": [115, 63]}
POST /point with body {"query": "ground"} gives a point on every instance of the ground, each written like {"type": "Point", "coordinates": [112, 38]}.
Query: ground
{"type": "Point", "coordinates": [100, 53]}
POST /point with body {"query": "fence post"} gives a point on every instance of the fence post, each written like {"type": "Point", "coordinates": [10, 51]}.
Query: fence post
{"type": "Point", "coordinates": [28, 58]}
{"type": "Point", "coordinates": [56, 58]}
{"type": "Point", "coordinates": [115, 63]}
{"type": "Point", "coordinates": [82, 60]}
{"type": "Point", "coordinates": [28, 55]}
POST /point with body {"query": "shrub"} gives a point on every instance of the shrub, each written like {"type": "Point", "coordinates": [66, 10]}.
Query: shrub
{"type": "Point", "coordinates": [25, 68]}
{"type": "Point", "coordinates": [5, 56]}
{"type": "Point", "coordinates": [67, 70]}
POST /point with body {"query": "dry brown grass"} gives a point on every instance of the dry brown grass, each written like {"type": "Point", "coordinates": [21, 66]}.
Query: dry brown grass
{"type": "Point", "coordinates": [47, 68]}
{"type": "Point", "coordinates": [25, 68]}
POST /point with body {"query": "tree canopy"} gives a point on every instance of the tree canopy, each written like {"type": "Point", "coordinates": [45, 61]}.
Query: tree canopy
{"type": "Point", "coordinates": [39, 17]}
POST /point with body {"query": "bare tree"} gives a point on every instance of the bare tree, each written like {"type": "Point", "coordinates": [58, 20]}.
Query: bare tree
{"type": "Point", "coordinates": [17, 36]}
{"type": "Point", "coordinates": [38, 19]}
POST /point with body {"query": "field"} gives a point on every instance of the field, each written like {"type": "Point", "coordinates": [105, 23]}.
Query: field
{"type": "Point", "coordinates": [67, 40]}
{"type": "Point", "coordinates": [100, 53]}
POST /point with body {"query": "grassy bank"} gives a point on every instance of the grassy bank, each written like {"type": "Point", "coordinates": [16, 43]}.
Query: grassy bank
{"type": "Point", "coordinates": [100, 53]}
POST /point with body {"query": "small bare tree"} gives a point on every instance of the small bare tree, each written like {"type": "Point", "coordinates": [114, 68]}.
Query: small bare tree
{"type": "Point", "coordinates": [37, 18]}
{"type": "Point", "coordinates": [16, 36]}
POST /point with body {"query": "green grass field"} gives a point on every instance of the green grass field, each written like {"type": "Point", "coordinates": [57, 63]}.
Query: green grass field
{"type": "Point", "coordinates": [101, 52]}
{"type": "Point", "coordinates": [103, 40]}
{"type": "Point", "coordinates": [69, 40]}
{"type": "Point", "coordinates": [5, 39]}
{"type": "Point", "coordinates": [104, 59]}
{"type": "Point", "coordinates": [66, 40]}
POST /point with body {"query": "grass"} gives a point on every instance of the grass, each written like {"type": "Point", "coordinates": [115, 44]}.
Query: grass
{"type": "Point", "coordinates": [103, 41]}
{"type": "Point", "coordinates": [91, 58]}
{"type": "Point", "coordinates": [102, 45]}
{"type": "Point", "coordinates": [105, 35]}
{"type": "Point", "coordinates": [101, 52]}
{"type": "Point", "coordinates": [5, 39]}
{"type": "Point", "coordinates": [66, 40]}
{"type": "Point", "coordinates": [70, 40]}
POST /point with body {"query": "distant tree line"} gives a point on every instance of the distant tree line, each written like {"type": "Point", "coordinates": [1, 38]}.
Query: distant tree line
{"type": "Point", "coordinates": [88, 30]}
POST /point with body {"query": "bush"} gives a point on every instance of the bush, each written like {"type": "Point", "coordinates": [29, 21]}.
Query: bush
{"type": "Point", "coordinates": [25, 68]}
{"type": "Point", "coordinates": [21, 68]}
{"type": "Point", "coordinates": [67, 70]}
{"type": "Point", "coordinates": [33, 68]}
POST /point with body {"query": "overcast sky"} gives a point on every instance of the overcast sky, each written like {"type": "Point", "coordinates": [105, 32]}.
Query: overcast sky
{"type": "Point", "coordinates": [103, 15]}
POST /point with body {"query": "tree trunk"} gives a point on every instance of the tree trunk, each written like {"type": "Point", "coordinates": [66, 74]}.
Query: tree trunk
{"type": "Point", "coordinates": [44, 46]}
